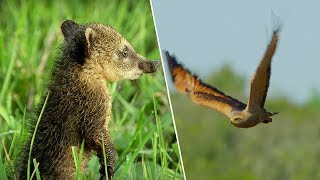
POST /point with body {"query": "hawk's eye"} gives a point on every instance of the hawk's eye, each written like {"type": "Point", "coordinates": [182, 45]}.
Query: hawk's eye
{"type": "Point", "coordinates": [237, 119]}
{"type": "Point", "coordinates": [125, 52]}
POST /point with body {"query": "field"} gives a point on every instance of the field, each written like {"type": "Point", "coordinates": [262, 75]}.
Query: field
{"type": "Point", "coordinates": [287, 148]}
{"type": "Point", "coordinates": [141, 127]}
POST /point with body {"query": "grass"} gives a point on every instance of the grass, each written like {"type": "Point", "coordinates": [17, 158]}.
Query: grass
{"type": "Point", "coordinates": [141, 126]}
{"type": "Point", "coordinates": [33, 136]}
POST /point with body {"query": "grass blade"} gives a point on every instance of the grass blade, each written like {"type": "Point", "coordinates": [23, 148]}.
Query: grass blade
{"type": "Point", "coordinates": [104, 158]}
{"type": "Point", "coordinates": [135, 153]}
{"type": "Point", "coordinates": [3, 174]}
{"type": "Point", "coordinates": [36, 170]}
{"type": "Point", "coordinates": [9, 71]}
{"type": "Point", "coordinates": [34, 135]}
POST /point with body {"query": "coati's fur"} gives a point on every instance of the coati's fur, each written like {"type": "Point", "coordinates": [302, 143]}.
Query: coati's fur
{"type": "Point", "coordinates": [79, 105]}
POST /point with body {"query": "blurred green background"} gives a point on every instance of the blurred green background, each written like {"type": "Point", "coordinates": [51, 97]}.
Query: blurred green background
{"type": "Point", "coordinates": [141, 127]}
{"type": "Point", "coordinates": [212, 148]}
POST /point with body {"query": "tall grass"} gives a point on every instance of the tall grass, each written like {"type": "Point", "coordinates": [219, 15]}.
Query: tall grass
{"type": "Point", "coordinates": [141, 126]}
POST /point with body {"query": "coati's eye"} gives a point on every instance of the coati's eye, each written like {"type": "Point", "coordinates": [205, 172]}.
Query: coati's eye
{"type": "Point", "coordinates": [125, 52]}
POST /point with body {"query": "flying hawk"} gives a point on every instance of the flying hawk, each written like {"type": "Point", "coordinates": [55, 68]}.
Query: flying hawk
{"type": "Point", "coordinates": [241, 115]}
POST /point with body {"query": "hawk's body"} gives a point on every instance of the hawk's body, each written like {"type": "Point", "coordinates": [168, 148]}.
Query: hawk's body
{"type": "Point", "coordinates": [241, 115]}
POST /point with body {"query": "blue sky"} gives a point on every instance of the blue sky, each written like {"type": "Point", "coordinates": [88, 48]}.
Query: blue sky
{"type": "Point", "coordinates": [206, 34]}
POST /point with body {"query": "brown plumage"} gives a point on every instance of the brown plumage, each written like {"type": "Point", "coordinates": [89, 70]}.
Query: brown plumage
{"type": "Point", "coordinates": [79, 105]}
{"type": "Point", "coordinates": [241, 115]}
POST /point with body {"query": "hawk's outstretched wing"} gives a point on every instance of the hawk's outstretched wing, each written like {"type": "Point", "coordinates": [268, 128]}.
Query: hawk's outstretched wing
{"type": "Point", "coordinates": [201, 93]}
{"type": "Point", "coordinates": [260, 80]}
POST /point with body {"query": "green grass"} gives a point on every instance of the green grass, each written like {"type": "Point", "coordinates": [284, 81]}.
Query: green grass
{"type": "Point", "coordinates": [33, 136]}
{"type": "Point", "coordinates": [141, 126]}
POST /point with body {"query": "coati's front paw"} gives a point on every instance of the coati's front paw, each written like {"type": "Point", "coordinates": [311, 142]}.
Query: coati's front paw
{"type": "Point", "coordinates": [112, 159]}
{"type": "Point", "coordinates": [111, 171]}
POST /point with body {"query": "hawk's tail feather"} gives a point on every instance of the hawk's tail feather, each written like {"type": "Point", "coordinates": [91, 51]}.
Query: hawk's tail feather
{"type": "Point", "coordinates": [183, 79]}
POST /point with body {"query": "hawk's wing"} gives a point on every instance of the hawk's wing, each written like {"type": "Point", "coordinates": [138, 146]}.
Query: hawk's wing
{"type": "Point", "coordinates": [260, 80]}
{"type": "Point", "coordinates": [201, 93]}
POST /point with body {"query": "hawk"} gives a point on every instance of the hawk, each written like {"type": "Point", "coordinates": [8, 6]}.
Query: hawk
{"type": "Point", "coordinates": [241, 115]}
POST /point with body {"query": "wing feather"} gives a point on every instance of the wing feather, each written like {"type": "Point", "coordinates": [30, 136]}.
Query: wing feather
{"type": "Point", "coordinates": [199, 92]}
{"type": "Point", "coordinates": [260, 80]}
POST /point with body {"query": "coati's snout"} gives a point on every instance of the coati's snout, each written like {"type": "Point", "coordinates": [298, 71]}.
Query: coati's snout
{"type": "Point", "coordinates": [138, 65]}
{"type": "Point", "coordinates": [148, 66]}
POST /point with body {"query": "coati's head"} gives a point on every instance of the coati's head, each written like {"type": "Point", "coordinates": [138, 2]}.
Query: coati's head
{"type": "Point", "coordinates": [102, 48]}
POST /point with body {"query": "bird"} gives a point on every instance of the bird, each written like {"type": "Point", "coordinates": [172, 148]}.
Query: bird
{"type": "Point", "coordinates": [241, 115]}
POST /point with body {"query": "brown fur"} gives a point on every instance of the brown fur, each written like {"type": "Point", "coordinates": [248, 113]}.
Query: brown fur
{"type": "Point", "coordinates": [79, 103]}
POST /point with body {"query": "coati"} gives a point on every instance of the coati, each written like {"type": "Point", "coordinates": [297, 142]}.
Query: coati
{"type": "Point", "coordinates": [78, 108]}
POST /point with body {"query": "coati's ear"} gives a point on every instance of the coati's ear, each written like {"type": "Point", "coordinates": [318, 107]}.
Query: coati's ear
{"type": "Point", "coordinates": [68, 27]}
{"type": "Point", "coordinates": [90, 34]}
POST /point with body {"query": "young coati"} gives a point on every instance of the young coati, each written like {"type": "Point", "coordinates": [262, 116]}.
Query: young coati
{"type": "Point", "coordinates": [79, 105]}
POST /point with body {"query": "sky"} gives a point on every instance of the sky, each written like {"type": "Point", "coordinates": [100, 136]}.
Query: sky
{"type": "Point", "coordinates": [204, 35]}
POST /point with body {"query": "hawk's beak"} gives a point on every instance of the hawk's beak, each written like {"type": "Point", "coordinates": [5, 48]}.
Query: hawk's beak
{"type": "Point", "coordinates": [272, 113]}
